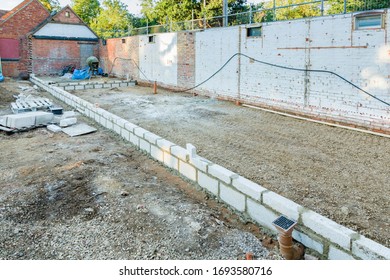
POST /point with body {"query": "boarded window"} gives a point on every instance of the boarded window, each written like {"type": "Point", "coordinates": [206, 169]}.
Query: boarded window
{"type": "Point", "coordinates": [151, 39]}
{"type": "Point", "coordinates": [368, 21]}
{"type": "Point", "coordinates": [9, 49]}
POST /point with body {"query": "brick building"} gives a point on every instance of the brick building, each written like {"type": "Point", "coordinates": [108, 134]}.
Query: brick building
{"type": "Point", "coordinates": [33, 40]}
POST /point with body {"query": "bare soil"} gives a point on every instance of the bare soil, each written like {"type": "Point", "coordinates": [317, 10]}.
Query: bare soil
{"type": "Point", "coordinates": [96, 197]}
{"type": "Point", "coordinates": [339, 173]}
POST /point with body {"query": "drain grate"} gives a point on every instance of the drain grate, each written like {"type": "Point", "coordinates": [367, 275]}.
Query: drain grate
{"type": "Point", "coordinates": [284, 223]}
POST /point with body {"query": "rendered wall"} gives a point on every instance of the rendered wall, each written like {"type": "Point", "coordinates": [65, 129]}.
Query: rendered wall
{"type": "Point", "coordinates": [329, 43]}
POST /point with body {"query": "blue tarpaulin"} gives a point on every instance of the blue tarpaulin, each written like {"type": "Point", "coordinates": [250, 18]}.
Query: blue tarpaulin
{"type": "Point", "coordinates": [81, 74]}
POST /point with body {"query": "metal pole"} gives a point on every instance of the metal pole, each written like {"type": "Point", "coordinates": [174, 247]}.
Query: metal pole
{"type": "Point", "coordinates": [322, 7]}
{"type": "Point", "coordinates": [225, 15]}
{"type": "Point", "coordinates": [274, 10]}
{"type": "Point", "coordinates": [345, 6]}
{"type": "Point", "coordinates": [192, 22]}
{"type": "Point", "coordinates": [147, 27]}
{"type": "Point", "coordinates": [250, 14]}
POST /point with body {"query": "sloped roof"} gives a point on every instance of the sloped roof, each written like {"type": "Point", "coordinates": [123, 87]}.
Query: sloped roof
{"type": "Point", "coordinates": [15, 10]}
{"type": "Point", "coordinates": [2, 13]}
{"type": "Point", "coordinates": [65, 31]}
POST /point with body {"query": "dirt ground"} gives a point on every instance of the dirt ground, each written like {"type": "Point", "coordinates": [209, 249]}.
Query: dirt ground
{"type": "Point", "coordinates": [96, 197]}
{"type": "Point", "coordinates": [339, 173]}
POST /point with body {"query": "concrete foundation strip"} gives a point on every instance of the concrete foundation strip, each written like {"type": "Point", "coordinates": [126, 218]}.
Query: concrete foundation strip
{"type": "Point", "coordinates": [329, 239]}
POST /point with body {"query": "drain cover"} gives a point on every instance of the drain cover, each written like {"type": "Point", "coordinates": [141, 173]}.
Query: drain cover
{"type": "Point", "coordinates": [284, 223]}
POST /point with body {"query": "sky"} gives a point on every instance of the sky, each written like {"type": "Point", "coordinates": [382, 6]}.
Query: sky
{"type": "Point", "coordinates": [132, 5]}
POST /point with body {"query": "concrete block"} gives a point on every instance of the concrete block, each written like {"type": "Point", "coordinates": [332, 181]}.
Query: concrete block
{"type": "Point", "coordinates": [187, 170]}
{"type": "Point", "coordinates": [282, 205]}
{"type": "Point", "coordinates": [248, 187]}
{"type": "Point", "coordinates": [140, 132]}
{"type": "Point", "coordinates": [69, 88]}
{"type": "Point", "coordinates": [43, 118]}
{"type": "Point", "coordinates": [54, 128]}
{"type": "Point", "coordinates": [117, 129]}
{"type": "Point", "coordinates": [261, 214]}
{"type": "Point", "coordinates": [221, 173]}
{"type": "Point", "coordinates": [123, 84]}
{"type": "Point", "coordinates": [179, 152]}
{"type": "Point", "coordinates": [121, 122]}
{"type": "Point", "coordinates": [157, 153]}
{"type": "Point", "coordinates": [171, 161]}
{"type": "Point", "coordinates": [134, 139]}
{"type": "Point", "coordinates": [191, 150]}
{"type": "Point", "coordinates": [328, 229]}
{"type": "Point", "coordinates": [165, 145]}
{"type": "Point", "coordinates": [125, 134]}
{"type": "Point", "coordinates": [144, 145]}
{"type": "Point", "coordinates": [3, 120]}
{"type": "Point", "coordinates": [232, 197]}
{"type": "Point", "coordinates": [208, 183]}
{"type": "Point", "coordinates": [20, 120]}
{"type": "Point", "coordinates": [68, 122]}
{"type": "Point", "coordinates": [88, 86]}
{"type": "Point", "coordinates": [368, 249]}
{"type": "Point", "coordinates": [200, 163]}
{"type": "Point", "coordinates": [107, 85]}
{"type": "Point", "coordinates": [130, 126]}
{"type": "Point", "coordinates": [98, 86]}
{"type": "Point", "coordinates": [337, 254]}
{"type": "Point", "coordinates": [308, 241]}
{"type": "Point", "coordinates": [151, 138]}
{"type": "Point", "coordinates": [109, 124]}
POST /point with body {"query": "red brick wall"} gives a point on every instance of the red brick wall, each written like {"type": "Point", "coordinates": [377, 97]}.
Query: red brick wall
{"type": "Point", "coordinates": [16, 27]}
{"type": "Point", "coordinates": [116, 55]}
{"type": "Point", "coordinates": [61, 17]}
{"type": "Point", "coordinates": [49, 57]}
{"type": "Point", "coordinates": [186, 59]}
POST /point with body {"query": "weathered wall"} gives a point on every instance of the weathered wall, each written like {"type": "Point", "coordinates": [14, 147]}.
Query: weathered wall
{"type": "Point", "coordinates": [16, 26]}
{"type": "Point", "coordinates": [326, 43]}
{"type": "Point", "coordinates": [51, 56]}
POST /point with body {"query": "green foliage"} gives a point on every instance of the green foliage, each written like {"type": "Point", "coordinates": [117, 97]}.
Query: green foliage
{"type": "Point", "coordinates": [87, 10]}
{"type": "Point", "coordinates": [114, 20]}
{"type": "Point", "coordinates": [51, 4]}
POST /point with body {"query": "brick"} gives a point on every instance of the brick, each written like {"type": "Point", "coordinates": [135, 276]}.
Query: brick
{"type": "Point", "coordinates": [125, 134]}
{"type": "Point", "coordinates": [130, 127]}
{"type": "Point", "coordinates": [282, 205]}
{"type": "Point", "coordinates": [337, 254]}
{"type": "Point", "coordinates": [261, 214]}
{"type": "Point", "coordinates": [68, 122]}
{"type": "Point", "coordinates": [54, 128]}
{"type": "Point", "coordinates": [208, 183]}
{"type": "Point", "coordinates": [171, 161]}
{"type": "Point", "coordinates": [187, 170]}
{"type": "Point", "coordinates": [81, 87]}
{"type": "Point", "coordinates": [98, 86]}
{"type": "Point", "coordinates": [121, 122]}
{"type": "Point", "coordinates": [109, 124]}
{"type": "Point", "coordinates": [117, 129]}
{"type": "Point", "coordinates": [232, 197]}
{"type": "Point", "coordinates": [221, 173]}
{"type": "Point", "coordinates": [200, 163]}
{"type": "Point", "coordinates": [140, 132]}
{"type": "Point", "coordinates": [157, 153]}
{"type": "Point", "coordinates": [327, 228]}
{"type": "Point", "coordinates": [151, 138]}
{"type": "Point", "coordinates": [179, 152]}
{"type": "Point", "coordinates": [308, 241]}
{"type": "Point", "coordinates": [367, 249]}
{"type": "Point", "coordinates": [69, 88]}
{"type": "Point", "coordinates": [144, 145]}
{"type": "Point", "coordinates": [134, 139]}
{"type": "Point", "coordinates": [248, 187]}
{"type": "Point", "coordinates": [165, 145]}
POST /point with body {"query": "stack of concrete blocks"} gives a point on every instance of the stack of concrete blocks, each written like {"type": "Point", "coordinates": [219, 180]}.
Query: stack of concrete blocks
{"type": "Point", "coordinates": [26, 120]}
{"type": "Point", "coordinates": [94, 85]}
{"type": "Point", "coordinates": [252, 201]}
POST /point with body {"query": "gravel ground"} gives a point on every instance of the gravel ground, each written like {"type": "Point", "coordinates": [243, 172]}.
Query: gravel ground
{"type": "Point", "coordinates": [96, 197]}
{"type": "Point", "coordinates": [339, 173]}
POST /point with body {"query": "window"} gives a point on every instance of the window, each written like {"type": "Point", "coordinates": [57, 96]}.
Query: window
{"type": "Point", "coordinates": [253, 31]}
{"type": "Point", "coordinates": [151, 39]}
{"type": "Point", "coordinates": [67, 14]}
{"type": "Point", "coordinates": [123, 41]}
{"type": "Point", "coordinates": [9, 49]}
{"type": "Point", "coordinates": [368, 21]}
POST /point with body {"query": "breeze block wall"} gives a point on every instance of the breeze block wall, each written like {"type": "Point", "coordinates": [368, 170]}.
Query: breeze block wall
{"type": "Point", "coordinates": [252, 201]}
{"type": "Point", "coordinates": [331, 43]}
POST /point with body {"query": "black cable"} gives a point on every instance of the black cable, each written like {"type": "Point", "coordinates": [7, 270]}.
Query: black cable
{"type": "Point", "coordinates": [132, 60]}
{"type": "Point", "coordinates": [288, 68]}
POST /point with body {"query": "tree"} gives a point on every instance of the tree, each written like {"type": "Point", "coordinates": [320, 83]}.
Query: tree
{"type": "Point", "coordinates": [113, 20]}
{"type": "Point", "coordinates": [50, 4]}
{"type": "Point", "coordinates": [87, 10]}
{"type": "Point", "coordinates": [337, 6]}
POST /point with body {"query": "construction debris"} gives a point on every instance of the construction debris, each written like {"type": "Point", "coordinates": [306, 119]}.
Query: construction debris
{"type": "Point", "coordinates": [54, 128]}
{"type": "Point", "coordinates": [79, 129]}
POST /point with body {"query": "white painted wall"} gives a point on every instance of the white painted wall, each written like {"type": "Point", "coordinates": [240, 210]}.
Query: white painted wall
{"type": "Point", "coordinates": [158, 60]}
